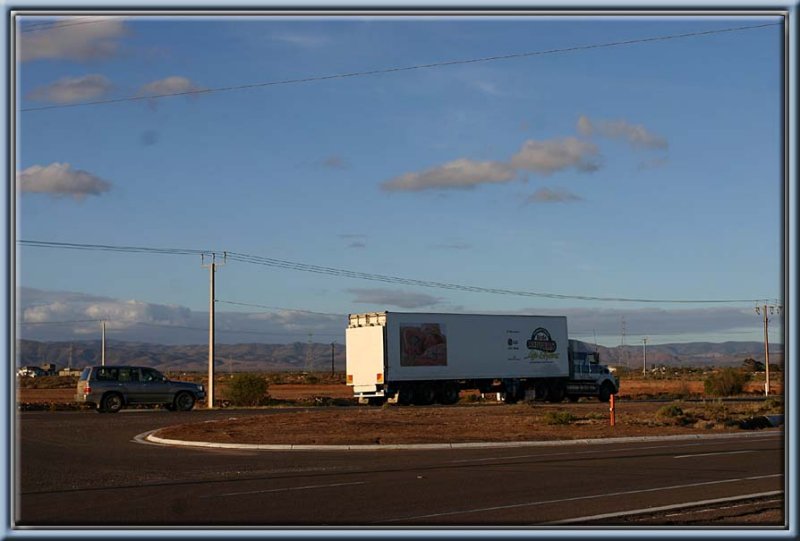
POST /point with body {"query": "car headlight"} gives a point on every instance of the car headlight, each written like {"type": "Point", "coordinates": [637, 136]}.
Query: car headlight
{"type": "Point", "coordinates": [200, 388]}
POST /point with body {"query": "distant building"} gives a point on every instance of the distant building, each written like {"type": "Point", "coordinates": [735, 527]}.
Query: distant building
{"type": "Point", "coordinates": [70, 372]}
{"type": "Point", "coordinates": [49, 369]}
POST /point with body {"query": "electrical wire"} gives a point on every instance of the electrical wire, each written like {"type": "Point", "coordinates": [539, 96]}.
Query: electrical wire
{"type": "Point", "coordinates": [60, 322]}
{"type": "Point", "coordinates": [344, 273]}
{"type": "Point", "coordinates": [277, 308]}
{"type": "Point", "coordinates": [404, 68]}
{"type": "Point", "coordinates": [218, 330]}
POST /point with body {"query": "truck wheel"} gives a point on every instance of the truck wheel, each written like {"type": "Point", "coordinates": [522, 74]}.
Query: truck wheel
{"type": "Point", "coordinates": [541, 391]}
{"type": "Point", "coordinates": [557, 392]}
{"type": "Point", "coordinates": [606, 390]}
{"type": "Point", "coordinates": [448, 393]}
{"type": "Point", "coordinates": [376, 401]}
{"type": "Point", "coordinates": [424, 394]}
{"type": "Point", "coordinates": [405, 394]}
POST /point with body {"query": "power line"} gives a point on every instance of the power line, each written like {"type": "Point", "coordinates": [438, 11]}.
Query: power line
{"type": "Point", "coordinates": [60, 322]}
{"type": "Point", "coordinates": [381, 71]}
{"type": "Point", "coordinates": [332, 271]}
{"type": "Point", "coordinates": [278, 308]}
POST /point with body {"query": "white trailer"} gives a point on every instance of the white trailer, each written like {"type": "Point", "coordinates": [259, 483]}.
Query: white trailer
{"type": "Point", "coordinates": [423, 358]}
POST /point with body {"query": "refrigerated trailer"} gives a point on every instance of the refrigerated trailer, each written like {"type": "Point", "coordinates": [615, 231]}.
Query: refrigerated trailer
{"type": "Point", "coordinates": [422, 358]}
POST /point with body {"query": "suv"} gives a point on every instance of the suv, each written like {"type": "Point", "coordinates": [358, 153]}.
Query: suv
{"type": "Point", "coordinates": [109, 388]}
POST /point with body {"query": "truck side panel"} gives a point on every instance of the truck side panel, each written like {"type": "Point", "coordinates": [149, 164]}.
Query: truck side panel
{"type": "Point", "coordinates": [468, 346]}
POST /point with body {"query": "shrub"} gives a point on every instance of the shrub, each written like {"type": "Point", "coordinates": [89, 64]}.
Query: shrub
{"type": "Point", "coordinates": [558, 418]}
{"type": "Point", "coordinates": [674, 414]}
{"type": "Point", "coordinates": [716, 410]}
{"type": "Point", "coordinates": [726, 382]}
{"type": "Point", "coordinates": [248, 390]}
{"type": "Point", "coordinates": [669, 411]}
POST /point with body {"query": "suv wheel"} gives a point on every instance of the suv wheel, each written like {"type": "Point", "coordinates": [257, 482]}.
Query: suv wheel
{"type": "Point", "coordinates": [111, 403]}
{"type": "Point", "coordinates": [184, 401]}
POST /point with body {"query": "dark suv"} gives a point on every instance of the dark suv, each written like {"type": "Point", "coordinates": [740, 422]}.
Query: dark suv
{"type": "Point", "coordinates": [110, 388]}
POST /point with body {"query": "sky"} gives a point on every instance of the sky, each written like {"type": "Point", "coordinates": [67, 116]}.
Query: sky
{"type": "Point", "coordinates": [650, 170]}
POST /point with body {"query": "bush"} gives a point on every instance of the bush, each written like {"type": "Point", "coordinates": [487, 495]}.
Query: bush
{"type": "Point", "coordinates": [248, 390]}
{"type": "Point", "coordinates": [558, 418]}
{"type": "Point", "coordinates": [669, 411]}
{"type": "Point", "coordinates": [726, 382]}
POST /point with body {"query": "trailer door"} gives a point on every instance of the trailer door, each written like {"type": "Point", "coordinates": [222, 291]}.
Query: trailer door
{"type": "Point", "coordinates": [365, 357]}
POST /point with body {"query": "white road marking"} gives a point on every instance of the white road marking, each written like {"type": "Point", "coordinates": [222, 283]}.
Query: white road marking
{"type": "Point", "coordinates": [648, 510]}
{"type": "Point", "coordinates": [712, 454]}
{"type": "Point", "coordinates": [307, 487]}
{"type": "Point", "coordinates": [596, 451]}
{"type": "Point", "coordinates": [577, 498]}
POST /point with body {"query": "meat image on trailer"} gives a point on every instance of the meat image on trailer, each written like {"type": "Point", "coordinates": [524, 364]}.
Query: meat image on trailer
{"type": "Point", "coordinates": [423, 358]}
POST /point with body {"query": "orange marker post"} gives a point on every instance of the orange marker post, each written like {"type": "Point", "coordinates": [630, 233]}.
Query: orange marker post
{"type": "Point", "coordinates": [611, 409]}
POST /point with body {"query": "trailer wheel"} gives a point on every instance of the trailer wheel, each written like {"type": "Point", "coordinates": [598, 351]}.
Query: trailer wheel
{"type": "Point", "coordinates": [557, 392]}
{"type": "Point", "coordinates": [573, 398]}
{"type": "Point", "coordinates": [376, 401]}
{"type": "Point", "coordinates": [448, 393]}
{"type": "Point", "coordinates": [541, 391]}
{"type": "Point", "coordinates": [424, 394]}
{"type": "Point", "coordinates": [405, 394]}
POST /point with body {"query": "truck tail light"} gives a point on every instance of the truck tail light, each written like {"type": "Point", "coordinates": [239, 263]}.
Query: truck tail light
{"type": "Point", "coordinates": [87, 390]}
{"type": "Point", "coordinates": [349, 379]}
{"type": "Point", "coordinates": [379, 378]}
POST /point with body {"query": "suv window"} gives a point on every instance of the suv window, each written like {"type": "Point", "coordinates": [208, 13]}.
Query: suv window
{"type": "Point", "coordinates": [148, 374]}
{"type": "Point", "coordinates": [128, 374]}
{"type": "Point", "coordinates": [104, 373]}
{"type": "Point", "coordinates": [85, 374]}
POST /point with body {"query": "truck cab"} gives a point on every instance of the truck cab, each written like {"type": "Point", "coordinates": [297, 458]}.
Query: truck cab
{"type": "Point", "coordinates": [589, 377]}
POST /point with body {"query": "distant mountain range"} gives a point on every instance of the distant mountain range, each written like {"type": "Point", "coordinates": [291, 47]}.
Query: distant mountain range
{"type": "Point", "coordinates": [300, 356]}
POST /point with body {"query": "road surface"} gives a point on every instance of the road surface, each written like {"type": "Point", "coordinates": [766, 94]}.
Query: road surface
{"type": "Point", "coordinates": [81, 469]}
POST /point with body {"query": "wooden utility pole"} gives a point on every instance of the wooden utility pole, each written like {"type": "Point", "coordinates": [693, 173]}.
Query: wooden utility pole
{"type": "Point", "coordinates": [103, 347]}
{"type": "Point", "coordinates": [212, 269]}
{"type": "Point", "coordinates": [644, 356]}
{"type": "Point", "coordinates": [332, 353]}
{"type": "Point", "coordinates": [772, 309]}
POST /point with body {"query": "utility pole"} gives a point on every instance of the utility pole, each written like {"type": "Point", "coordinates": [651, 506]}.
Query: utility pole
{"type": "Point", "coordinates": [332, 352]}
{"type": "Point", "coordinates": [644, 358]}
{"type": "Point", "coordinates": [212, 268]}
{"type": "Point", "coordinates": [772, 308]}
{"type": "Point", "coordinates": [103, 347]}
{"type": "Point", "coordinates": [622, 342]}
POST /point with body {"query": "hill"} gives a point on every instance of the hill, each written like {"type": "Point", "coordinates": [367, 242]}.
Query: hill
{"type": "Point", "coordinates": [299, 356]}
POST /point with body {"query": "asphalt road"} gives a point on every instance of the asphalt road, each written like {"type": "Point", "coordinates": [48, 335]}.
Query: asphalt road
{"type": "Point", "coordinates": [78, 469]}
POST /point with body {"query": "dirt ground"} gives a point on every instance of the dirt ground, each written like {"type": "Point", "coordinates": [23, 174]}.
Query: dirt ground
{"type": "Point", "coordinates": [469, 422]}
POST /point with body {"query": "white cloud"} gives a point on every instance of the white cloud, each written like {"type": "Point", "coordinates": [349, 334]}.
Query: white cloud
{"type": "Point", "coordinates": [548, 156]}
{"type": "Point", "coordinates": [459, 174]}
{"type": "Point", "coordinates": [82, 42]}
{"type": "Point", "coordinates": [139, 321]}
{"type": "Point", "coordinates": [72, 89]}
{"type": "Point", "coordinates": [60, 180]}
{"type": "Point", "coordinates": [392, 297]}
{"type": "Point", "coordinates": [547, 195]}
{"type": "Point", "coordinates": [636, 134]}
{"type": "Point", "coordinates": [174, 84]}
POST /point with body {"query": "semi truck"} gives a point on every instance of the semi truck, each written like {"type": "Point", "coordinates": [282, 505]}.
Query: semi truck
{"type": "Point", "coordinates": [423, 358]}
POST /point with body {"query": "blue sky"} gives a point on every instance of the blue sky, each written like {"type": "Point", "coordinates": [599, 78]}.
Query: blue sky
{"type": "Point", "coordinates": [650, 170]}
